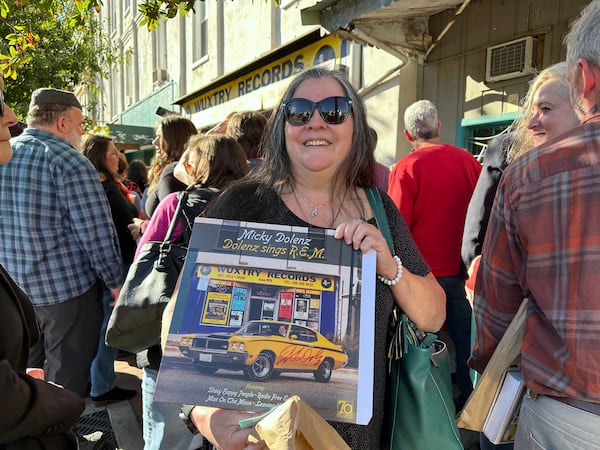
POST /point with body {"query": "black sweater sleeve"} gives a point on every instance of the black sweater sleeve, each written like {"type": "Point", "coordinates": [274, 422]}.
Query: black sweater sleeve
{"type": "Point", "coordinates": [123, 212]}
{"type": "Point", "coordinates": [165, 186]}
{"type": "Point", "coordinates": [480, 206]}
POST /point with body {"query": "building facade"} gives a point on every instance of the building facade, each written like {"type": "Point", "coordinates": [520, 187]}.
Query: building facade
{"type": "Point", "coordinates": [227, 56]}
{"type": "Point", "coordinates": [473, 58]}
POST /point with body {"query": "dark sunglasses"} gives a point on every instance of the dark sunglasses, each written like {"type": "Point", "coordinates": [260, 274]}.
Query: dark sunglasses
{"type": "Point", "coordinates": [1, 104]}
{"type": "Point", "coordinates": [333, 110]}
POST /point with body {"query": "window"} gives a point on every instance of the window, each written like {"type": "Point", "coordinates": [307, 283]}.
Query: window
{"type": "Point", "coordinates": [113, 80]}
{"type": "Point", "coordinates": [474, 134]}
{"type": "Point", "coordinates": [159, 50]}
{"type": "Point", "coordinates": [129, 88]}
{"type": "Point", "coordinates": [311, 336]}
{"type": "Point", "coordinates": [112, 22]}
{"type": "Point", "coordinates": [481, 136]}
{"type": "Point", "coordinates": [200, 37]}
{"type": "Point", "coordinates": [304, 334]}
{"type": "Point", "coordinates": [159, 46]}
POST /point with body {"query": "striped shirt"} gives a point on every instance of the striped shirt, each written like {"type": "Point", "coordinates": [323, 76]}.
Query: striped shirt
{"type": "Point", "coordinates": [543, 244]}
{"type": "Point", "coordinates": [58, 236]}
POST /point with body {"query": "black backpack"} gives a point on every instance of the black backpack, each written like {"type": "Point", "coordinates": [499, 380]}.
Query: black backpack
{"type": "Point", "coordinates": [197, 200]}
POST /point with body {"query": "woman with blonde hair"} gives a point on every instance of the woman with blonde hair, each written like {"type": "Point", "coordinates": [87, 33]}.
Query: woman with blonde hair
{"type": "Point", "coordinates": [546, 112]}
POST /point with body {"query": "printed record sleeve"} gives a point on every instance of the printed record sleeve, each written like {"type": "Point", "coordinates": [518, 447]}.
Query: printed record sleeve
{"type": "Point", "coordinates": [265, 312]}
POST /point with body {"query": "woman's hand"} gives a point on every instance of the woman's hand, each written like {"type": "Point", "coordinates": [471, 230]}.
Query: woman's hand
{"type": "Point", "coordinates": [420, 297]}
{"type": "Point", "coordinates": [115, 295]}
{"type": "Point", "coordinates": [135, 228]}
{"type": "Point", "coordinates": [364, 237]}
{"type": "Point", "coordinates": [221, 427]}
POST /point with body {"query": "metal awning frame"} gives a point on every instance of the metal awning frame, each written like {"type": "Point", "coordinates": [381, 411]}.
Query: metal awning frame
{"type": "Point", "coordinates": [399, 27]}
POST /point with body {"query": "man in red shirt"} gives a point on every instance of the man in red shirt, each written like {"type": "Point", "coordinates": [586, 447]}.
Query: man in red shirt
{"type": "Point", "coordinates": [432, 187]}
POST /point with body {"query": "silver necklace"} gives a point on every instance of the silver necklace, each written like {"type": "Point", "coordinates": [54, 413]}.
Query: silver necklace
{"type": "Point", "coordinates": [314, 212]}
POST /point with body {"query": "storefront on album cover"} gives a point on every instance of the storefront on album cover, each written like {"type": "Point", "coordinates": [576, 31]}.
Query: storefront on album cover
{"type": "Point", "coordinates": [307, 299]}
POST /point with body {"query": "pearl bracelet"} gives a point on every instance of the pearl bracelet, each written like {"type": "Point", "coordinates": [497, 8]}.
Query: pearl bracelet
{"type": "Point", "coordinates": [398, 274]}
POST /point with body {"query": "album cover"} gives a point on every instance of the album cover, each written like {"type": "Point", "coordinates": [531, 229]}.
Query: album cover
{"type": "Point", "coordinates": [267, 311]}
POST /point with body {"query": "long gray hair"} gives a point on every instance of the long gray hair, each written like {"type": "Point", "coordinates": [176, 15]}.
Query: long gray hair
{"type": "Point", "coordinates": [358, 168]}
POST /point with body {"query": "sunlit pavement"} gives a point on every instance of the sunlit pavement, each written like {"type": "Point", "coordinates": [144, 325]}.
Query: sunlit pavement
{"type": "Point", "coordinates": [126, 416]}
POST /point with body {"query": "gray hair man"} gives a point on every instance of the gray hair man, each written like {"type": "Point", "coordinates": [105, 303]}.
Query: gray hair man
{"type": "Point", "coordinates": [421, 122]}
{"type": "Point", "coordinates": [542, 245]}
{"type": "Point", "coordinates": [432, 187]}
{"type": "Point", "coordinates": [58, 238]}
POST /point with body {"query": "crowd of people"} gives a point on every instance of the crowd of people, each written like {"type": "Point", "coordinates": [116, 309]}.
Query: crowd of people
{"type": "Point", "coordinates": [74, 214]}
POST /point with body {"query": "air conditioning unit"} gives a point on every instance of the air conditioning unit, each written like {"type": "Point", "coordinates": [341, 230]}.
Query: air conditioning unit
{"type": "Point", "coordinates": [511, 60]}
{"type": "Point", "coordinates": [159, 75]}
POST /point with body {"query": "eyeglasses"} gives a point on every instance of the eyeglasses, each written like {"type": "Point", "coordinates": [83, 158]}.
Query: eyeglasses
{"type": "Point", "coordinates": [333, 110]}
{"type": "Point", "coordinates": [1, 104]}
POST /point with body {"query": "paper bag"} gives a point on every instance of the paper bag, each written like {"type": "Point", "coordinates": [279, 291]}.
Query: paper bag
{"type": "Point", "coordinates": [478, 405]}
{"type": "Point", "coordinates": [296, 426]}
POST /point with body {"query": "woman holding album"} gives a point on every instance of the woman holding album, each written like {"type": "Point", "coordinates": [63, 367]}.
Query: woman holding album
{"type": "Point", "coordinates": [318, 161]}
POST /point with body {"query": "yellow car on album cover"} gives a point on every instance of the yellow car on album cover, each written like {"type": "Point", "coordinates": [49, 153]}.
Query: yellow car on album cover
{"type": "Point", "coordinates": [264, 349]}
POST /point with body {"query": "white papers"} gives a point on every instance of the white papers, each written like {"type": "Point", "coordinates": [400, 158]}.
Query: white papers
{"type": "Point", "coordinates": [501, 423]}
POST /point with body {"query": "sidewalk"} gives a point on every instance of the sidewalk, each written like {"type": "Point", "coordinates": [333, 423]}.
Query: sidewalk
{"type": "Point", "coordinates": [126, 416]}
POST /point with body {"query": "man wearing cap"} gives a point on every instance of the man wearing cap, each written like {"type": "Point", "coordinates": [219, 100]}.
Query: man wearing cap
{"type": "Point", "coordinates": [58, 238]}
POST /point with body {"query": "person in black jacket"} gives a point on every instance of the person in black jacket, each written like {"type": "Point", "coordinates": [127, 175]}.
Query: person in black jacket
{"type": "Point", "coordinates": [247, 128]}
{"type": "Point", "coordinates": [103, 154]}
{"type": "Point", "coordinates": [172, 133]}
{"type": "Point", "coordinates": [478, 211]}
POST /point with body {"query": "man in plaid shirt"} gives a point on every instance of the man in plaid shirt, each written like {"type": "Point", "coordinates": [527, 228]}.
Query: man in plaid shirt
{"type": "Point", "coordinates": [58, 238]}
{"type": "Point", "coordinates": [543, 244]}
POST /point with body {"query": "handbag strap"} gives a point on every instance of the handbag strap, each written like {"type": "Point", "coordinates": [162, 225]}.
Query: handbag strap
{"type": "Point", "coordinates": [177, 216]}
{"type": "Point", "coordinates": [395, 348]}
{"type": "Point", "coordinates": [376, 203]}
{"type": "Point", "coordinates": [399, 320]}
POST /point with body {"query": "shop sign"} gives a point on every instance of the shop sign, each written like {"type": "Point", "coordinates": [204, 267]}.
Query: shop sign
{"type": "Point", "coordinates": [270, 277]}
{"type": "Point", "coordinates": [327, 49]}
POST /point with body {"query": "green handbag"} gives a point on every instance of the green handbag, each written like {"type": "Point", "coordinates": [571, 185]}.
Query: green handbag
{"type": "Point", "coordinates": [420, 412]}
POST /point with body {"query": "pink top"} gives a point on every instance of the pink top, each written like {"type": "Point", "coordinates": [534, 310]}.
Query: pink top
{"type": "Point", "coordinates": [382, 175]}
{"type": "Point", "coordinates": [159, 223]}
